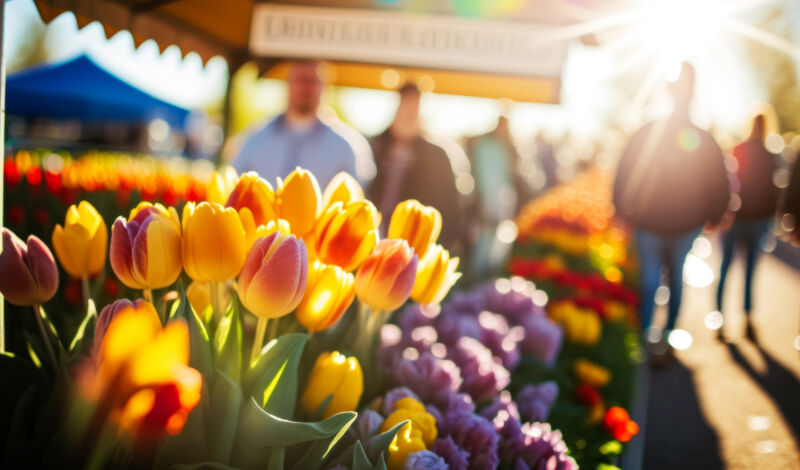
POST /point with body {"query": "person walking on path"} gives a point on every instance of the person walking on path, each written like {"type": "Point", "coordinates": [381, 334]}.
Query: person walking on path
{"type": "Point", "coordinates": [671, 180]}
{"type": "Point", "coordinates": [759, 197]}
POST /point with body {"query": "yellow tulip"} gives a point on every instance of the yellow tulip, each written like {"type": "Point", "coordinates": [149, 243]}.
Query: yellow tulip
{"type": "Point", "coordinates": [142, 377]}
{"type": "Point", "coordinates": [334, 375]}
{"type": "Point", "coordinates": [346, 234]}
{"type": "Point", "coordinates": [146, 249]}
{"type": "Point", "coordinates": [299, 201]}
{"type": "Point", "coordinates": [214, 242]}
{"type": "Point", "coordinates": [591, 374]}
{"type": "Point", "coordinates": [435, 276]}
{"type": "Point", "coordinates": [405, 442]}
{"type": "Point", "coordinates": [256, 194]}
{"type": "Point", "coordinates": [414, 411]}
{"type": "Point", "coordinates": [386, 278]}
{"type": "Point", "coordinates": [329, 291]}
{"type": "Point", "coordinates": [253, 232]}
{"type": "Point", "coordinates": [221, 185]}
{"type": "Point", "coordinates": [417, 224]}
{"type": "Point", "coordinates": [81, 244]}
{"type": "Point", "coordinates": [342, 188]}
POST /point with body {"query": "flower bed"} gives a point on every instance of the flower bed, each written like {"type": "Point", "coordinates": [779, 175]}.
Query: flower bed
{"type": "Point", "coordinates": [276, 354]}
{"type": "Point", "coordinates": [570, 247]}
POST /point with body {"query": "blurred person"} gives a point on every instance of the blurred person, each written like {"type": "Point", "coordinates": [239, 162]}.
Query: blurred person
{"type": "Point", "coordinates": [410, 166]}
{"type": "Point", "coordinates": [500, 193]}
{"type": "Point", "coordinates": [759, 197]}
{"type": "Point", "coordinates": [547, 160]}
{"type": "Point", "coordinates": [671, 180]}
{"type": "Point", "coordinates": [298, 137]}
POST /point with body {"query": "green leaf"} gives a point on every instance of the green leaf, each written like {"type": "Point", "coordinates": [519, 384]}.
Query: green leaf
{"type": "Point", "coordinates": [612, 448]}
{"type": "Point", "coordinates": [276, 458]}
{"type": "Point", "coordinates": [80, 344]}
{"type": "Point", "coordinates": [223, 417]}
{"type": "Point", "coordinates": [273, 379]}
{"type": "Point", "coordinates": [260, 431]}
{"type": "Point", "coordinates": [199, 344]}
{"type": "Point", "coordinates": [228, 342]}
{"type": "Point", "coordinates": [190, 445]}
{"type": "Point", "coordinates": [313, 457]}
{"type": "Point", "coordinates": [379, 443]}
{"type": "Point", "coordinates": [360, 459]}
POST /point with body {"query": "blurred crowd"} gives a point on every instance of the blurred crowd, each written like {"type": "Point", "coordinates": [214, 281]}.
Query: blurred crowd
{"type": "Point", "coordinates": [674, 180]}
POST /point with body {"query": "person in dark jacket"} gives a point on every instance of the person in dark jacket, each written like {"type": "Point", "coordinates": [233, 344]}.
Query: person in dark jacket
{"type": "Point", "coordinates": [759, 198]}
{"type": "Point", "coordinates": [670, 182]}
{"type": "Point", "coordinates": [411, 167]}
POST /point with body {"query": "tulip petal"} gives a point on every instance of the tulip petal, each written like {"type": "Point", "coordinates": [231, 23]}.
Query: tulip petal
{"type": "Point", "coordinates": [120, 254]}
{"type": "Point", "coordinates": [276, 290]}
{"type": "Point", "coordinates": [43, 268]}
{"type": "Point", "coordinates": [16, 281]}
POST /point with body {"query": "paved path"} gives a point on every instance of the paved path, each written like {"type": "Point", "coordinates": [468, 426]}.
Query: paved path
{"type": "Point", "coordinates": [736, 404]}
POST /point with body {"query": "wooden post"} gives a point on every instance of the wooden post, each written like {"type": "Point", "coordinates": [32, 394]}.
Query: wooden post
{"type": "Point", "coordinates": [2, 157]}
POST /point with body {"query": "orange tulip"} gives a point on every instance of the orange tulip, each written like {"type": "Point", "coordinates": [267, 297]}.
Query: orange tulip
{"type": "Point", "coordinates": [142, 375]}
{"type": "Point", "coordinates": [342, 188]}
{"type": "Point", "coordinates": [256, 194]}
{"type": "Point", "coordinates": [386, 278]}
{"type": "Point", "coordinates": [346, 234]}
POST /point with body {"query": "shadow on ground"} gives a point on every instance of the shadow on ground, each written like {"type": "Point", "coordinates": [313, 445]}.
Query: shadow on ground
{"type": "Point", "coordinates": [778, 382]}
{"type": "Point", "coordinates": [678, 435]}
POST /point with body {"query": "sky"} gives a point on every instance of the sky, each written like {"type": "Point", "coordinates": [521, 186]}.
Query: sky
{"type": "Point", "coordinates": [620, 83]}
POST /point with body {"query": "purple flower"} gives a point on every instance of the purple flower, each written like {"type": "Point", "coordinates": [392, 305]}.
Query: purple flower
{"type": "Point", "coordinates": [424, 460]}
{"type": "Point", "coordinates": [456, 457]}
{"type": "Point", "coordinates": [431, 378]}
{"type": "Point", "coordinates": [460, 405]}
{"type": "Point", "coordinates": [500, 338]}
{"type": "Point", "coordinates": [501, 403]}
{"type": "Point", "coordinates": [453, 325]}
{"type": "Point", "coordinates": [512, 304]}
{"type": "Point", "coordinates": [545, 449]}
{"type": "Point", "coordinates": [483, 375]}
{"type": "Point", "coordinates": [472, 302]}
{"type": "Point", "coordinates": [393, 395]}
{"type": "Point", "coordinates": [542, 338]}
{"type": "Point", "coordinates": [367, 425]}
{"type": "Point", "coordinates": [416, 315]}
{"type": "Point", "coordinates": [478, 436]}
{"type": "Point", "coordinates": [535, 401]}
{"type": "Point", "coordinates": [512, 441]}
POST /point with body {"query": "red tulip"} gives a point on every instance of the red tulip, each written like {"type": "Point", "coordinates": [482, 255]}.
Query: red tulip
{"type": "Point", "coordinates": [28, 272]}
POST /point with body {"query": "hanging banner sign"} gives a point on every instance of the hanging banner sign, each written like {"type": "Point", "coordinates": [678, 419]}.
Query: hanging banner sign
{"type": "Point", "coordinates": [406, 39]}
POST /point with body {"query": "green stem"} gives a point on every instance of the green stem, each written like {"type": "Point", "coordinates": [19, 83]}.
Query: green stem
{"type": "Point", "coordinates": [216, 300]}
{"type": "Point", "coordinates": [45, 337]}
{"type": "Point", "coordinates": [258, 341]}
{"type": "Point", "coordinates": [85, 292]}
{"type": "Point", "coordinates": [273, 329]}
{"type": "Point", "coordinates": [148, 295]}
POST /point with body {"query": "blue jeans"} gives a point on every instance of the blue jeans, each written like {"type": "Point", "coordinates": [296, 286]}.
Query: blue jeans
{"type": "Point", "coordinates": [657, 252]}
{"type": "Point", "coordinates": [750, 233]}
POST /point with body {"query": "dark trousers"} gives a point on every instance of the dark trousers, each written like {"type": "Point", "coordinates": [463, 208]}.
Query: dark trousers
{"type": "Point", "coordinates": [750, 234]}
{"type": "Point", "coordinates": [657, 252]}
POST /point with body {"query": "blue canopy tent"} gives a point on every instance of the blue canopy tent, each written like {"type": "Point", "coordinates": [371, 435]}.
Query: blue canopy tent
{"type": "Point", "coordinates": [81, 89]}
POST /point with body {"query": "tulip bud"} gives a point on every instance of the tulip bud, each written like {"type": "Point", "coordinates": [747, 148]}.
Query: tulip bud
{"type": "Point", "coordinates": [81, 244]}
{"type": "Point", "coordinates": [346, 234]}
{"type": "Point", "coordinates": [342, 188]}
{"type": "Point", "coordinates": [146, 249]}
{"type": "Point", "coordinates": [273, 278]}
{"type": "Point", "coordinates": [28, 272]}
{"type": "Point", "coordinates": [254, 232]}
{"type": "Point", "coordinates": [214, 243]}
{"type": "Point", "coordinates": [436, 275]}
{"type": "Point", "coordinates": [386, 278]}
{"type": "Point", "coordinates": [417, 224]}
{"type": "Point", "coordinates": [221, 185]}
{"type": "Point", "coordinates": [329, 291]}
{"type": "Point", "coordinates": [337, 375]}
{"type": "Point", "coordinates": [256, 194]}
{"type": "Point", "coordinates": [299, 201]}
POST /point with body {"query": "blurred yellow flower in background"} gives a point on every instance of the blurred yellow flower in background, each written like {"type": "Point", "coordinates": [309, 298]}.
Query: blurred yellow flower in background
{"type": "Point", "coordinates": [299, 201]}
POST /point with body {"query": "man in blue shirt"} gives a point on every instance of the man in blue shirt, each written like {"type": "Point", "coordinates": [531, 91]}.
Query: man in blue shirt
{"type": "Point", "coordinates": [299, 138]}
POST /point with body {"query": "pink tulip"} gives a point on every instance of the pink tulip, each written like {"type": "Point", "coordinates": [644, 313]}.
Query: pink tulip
{"type": "Point", "coordinates": [273, 279]}
{"type": "Point", "coordinates": [387, 276]}
{"type": "Point", "coordinates": [28, 273]}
